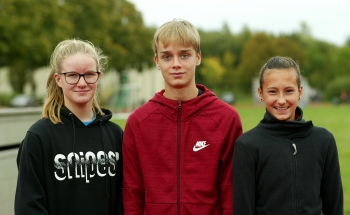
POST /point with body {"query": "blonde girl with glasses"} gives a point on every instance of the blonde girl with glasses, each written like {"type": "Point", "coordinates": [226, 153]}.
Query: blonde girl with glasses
{"type": "Point", "coordinates": [69, 161]}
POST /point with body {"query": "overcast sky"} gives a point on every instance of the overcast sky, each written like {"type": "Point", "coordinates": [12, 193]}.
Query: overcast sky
{"type": "Point", "coordinates": [329, 20]}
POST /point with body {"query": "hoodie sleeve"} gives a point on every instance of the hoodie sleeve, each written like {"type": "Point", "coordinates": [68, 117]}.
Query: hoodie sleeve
{"type": "Point", "coordinates": [225, 170]}
{"type": "Point", "coordinates": [30, 195]}
{"type": "Point", "coordinates": [133, 188]}
{"type": "Point", "coordinates": [243, 180]}
{"type": "Point", "coordinates": [331, 185]}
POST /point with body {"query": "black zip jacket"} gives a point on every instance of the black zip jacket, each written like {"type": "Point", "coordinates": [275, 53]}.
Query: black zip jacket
{"type": "Point", "coordinates": [70, 168]}
{"type": "Point", "coordinates": [287, 168]}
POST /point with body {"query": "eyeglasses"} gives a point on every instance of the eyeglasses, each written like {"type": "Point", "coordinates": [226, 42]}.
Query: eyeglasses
{"type": "Point", "coordinates": [74, 77]}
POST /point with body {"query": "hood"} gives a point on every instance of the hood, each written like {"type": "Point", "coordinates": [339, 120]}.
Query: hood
{"type": "Point", "coordinates": [67, 116]}
{"type": "Point", "coordinates": [189, 108]}
{"type": "Point", "coordinates": [286, 129]}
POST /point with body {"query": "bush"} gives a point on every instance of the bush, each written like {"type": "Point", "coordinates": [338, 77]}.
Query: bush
{"type": "Point", "coordinates": [5, 99]}
{"type": "Point", "coordinates": [335, 87]}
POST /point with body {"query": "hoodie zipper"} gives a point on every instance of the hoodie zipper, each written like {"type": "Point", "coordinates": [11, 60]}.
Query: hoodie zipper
{"type": "Point", "coordinates": [179, 104]}
{"type": "Point", "coordinates": [295, 184]}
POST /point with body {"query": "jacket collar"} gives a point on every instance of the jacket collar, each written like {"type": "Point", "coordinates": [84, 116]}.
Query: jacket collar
{"type": "Point", "coordinates": [285, 129]}
{"type": "Point", "coordinates": [189, 109]}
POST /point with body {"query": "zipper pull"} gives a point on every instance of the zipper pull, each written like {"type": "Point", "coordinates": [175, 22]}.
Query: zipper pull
{"type": "Point", "coordinates": [295, 149]}
{"type": "Point", "coordinates": [179, 104]}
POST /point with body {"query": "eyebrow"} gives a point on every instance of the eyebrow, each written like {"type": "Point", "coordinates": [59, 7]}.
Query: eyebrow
{"type": "Point", "coordinates": [81, 73]}
{"type": "Point", "coordinates": [183, 50]}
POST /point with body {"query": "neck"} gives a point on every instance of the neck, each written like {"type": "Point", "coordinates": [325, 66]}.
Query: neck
{"type": "Point", "coordinates": [83, 112]}
{"type": "Point", "coordinates": [181, 94]}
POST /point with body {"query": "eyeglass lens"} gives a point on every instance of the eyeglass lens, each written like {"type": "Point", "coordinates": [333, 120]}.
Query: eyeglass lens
{"type": "Point", "coordinates": [89, 77]}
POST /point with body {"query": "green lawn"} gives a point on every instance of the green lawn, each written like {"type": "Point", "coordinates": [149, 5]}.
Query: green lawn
{"type": "Point", "coordinates": [334, 118]}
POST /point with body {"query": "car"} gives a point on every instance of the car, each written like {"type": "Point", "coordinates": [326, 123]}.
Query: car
{"type": "Point", "coordinates": [22, 100]}
{"type": "Point", "coordinates": [228, 97]}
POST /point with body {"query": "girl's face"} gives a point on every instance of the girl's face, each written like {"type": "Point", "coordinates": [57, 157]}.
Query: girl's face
{"type": "Point", "coordinates": [281, 93]}
{"type": "Point", "coordinates": [81, 93]}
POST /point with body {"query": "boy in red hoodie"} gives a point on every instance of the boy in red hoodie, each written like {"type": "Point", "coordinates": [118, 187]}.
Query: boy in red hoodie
{"type": "Point", "coordinates": [177, 148]}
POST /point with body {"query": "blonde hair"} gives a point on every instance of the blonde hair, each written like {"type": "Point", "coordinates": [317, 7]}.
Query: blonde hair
{"type": "Point", "coordinates": [54, 94]}
{"type": "Point", "coordinates": [179, 32]}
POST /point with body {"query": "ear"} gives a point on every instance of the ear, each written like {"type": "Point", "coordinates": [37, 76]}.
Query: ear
{"type": "Point", "coordinates": [260, 94]}
{"type": "Point", "coordinates": [300, 92]}
{"type": "Point", "coordinates": [199, 58]}
{"type": "Point", "coordinates": [57, 78]}
{"type": "Point", "coordinates": [155, 59]}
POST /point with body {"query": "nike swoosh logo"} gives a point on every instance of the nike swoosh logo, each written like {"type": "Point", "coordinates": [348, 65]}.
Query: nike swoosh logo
{"type": "Point", "coordinates": [195, 149]}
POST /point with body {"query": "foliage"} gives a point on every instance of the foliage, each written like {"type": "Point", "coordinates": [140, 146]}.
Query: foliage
{"type": "Point", "coordinates": [341, 62]}
{"type": "Point", "coordinates": [212, 71]}
{"type": "Point", "coordinates": [227, 47]}
{"type": "Point", "coordinates": [318, 67]}
{"type": "Point", "coordinates": [5, 99]}
{"type": "Point", "coordinates": [131, 39]}
{"type": "Point", "coordinates": [258, 49]}
{"type": "Point", "coordinates": [336, 86]}
{"type": "Point", "coordinates": [29, 37]}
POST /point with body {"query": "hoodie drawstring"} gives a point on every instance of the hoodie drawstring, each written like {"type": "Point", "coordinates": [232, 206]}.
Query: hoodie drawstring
{"type": "Point", "coordinates": [103, 145]}
{"type": "Point", "coordinates": [73, 160]}
{"type": "Point", "coordinates": [106, 156]}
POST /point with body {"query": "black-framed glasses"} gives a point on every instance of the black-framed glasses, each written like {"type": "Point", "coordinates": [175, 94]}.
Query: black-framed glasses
{"type": "Point", "coordinates": [74, 77]}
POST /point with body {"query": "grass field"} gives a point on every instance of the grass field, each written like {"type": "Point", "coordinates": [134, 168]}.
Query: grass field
{"type": "Point", "coordinates": [335, 118]}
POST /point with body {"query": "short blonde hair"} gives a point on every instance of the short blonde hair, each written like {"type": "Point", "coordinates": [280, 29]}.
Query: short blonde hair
{"type": "Point", "coordinates": [54, 94]}
{"type": "Point", "coordinates": [179, 32]}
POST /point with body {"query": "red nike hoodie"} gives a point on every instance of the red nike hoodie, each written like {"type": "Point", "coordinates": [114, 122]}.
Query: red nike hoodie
{"type": "Point", "coordinates": [177, 156]}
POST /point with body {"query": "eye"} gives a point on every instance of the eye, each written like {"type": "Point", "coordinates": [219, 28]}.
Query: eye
{"type": "Point", "coordinates": [72, 74]}
{"type": "Point", "coordinates": [290, 91]}
{"type": "Point", "coordinates": [185, 55]}
{"type": "Point", "coordinates": [272, 91]}
{"type": "Point", "coordinates": [90, 74]}
{"type": "Point", "coordinates": [166, 57]}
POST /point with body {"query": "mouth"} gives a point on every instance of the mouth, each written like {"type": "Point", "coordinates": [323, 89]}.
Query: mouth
{"type": "Point", "coordinates": [177, 74]}
{"type": "Point", "coordinates": [281, 108]}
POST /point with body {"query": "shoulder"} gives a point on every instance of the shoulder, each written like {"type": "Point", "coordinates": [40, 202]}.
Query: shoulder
{"type": "Point", "coordinates": [321, 132]}
{"type": "Point", "coordinates": [219, 107]}
{"type": "Point", "coordinates": [250, 137]}
{"type": "Point", "coordinates": [142, 112]}
{"type": "Point", "coordinates": [113, 126]}
{"type": "Point", "coordinates": [41, 125]}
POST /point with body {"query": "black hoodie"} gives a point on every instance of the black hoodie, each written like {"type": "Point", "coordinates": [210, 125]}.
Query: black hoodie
{"type": "Point", "coordinates": [287, 167]}
{"type": "Point", "coordinates": [70, 168]}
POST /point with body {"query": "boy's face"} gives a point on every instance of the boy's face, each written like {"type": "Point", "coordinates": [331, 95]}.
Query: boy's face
{"type": "Point", "coordinates": [177, 64]}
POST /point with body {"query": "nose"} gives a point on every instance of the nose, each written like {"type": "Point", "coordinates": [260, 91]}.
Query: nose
{"type": "Point", "coordinates": [281, 99]}
{"type": "Point", "coordinates": [176, 64]}
{"type": "Point", "coordinates": [81, 81]}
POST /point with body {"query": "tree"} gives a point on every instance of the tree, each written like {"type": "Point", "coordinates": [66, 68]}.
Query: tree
{"type": "Point", "coordinates": [257, 50]}
{"type": "Point", "coordinates": [27, 37]}
{"type": "Point", "coordinates": [130, 38]}
{"type": "Point", "coordinates": [212, 71]}
{"type": "Point", "coordinates": [318, 66]}
{"type": "Point", "coordinates": [341, 63]}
